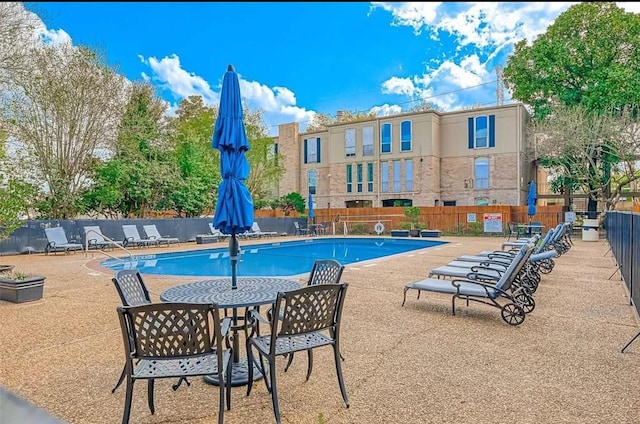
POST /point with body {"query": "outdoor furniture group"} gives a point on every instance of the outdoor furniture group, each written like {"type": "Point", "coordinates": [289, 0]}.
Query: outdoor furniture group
{"type": "Point", "coordinates": [193, 330]}
{"type": "Point", "coordinates": [506, 279]}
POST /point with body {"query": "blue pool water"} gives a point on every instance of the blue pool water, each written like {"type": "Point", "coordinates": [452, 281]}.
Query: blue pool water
{"type": "Point", "coordinates": [273, 259]}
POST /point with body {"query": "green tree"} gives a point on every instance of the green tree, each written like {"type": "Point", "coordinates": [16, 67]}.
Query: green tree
{"type": "Point", "coordinates": [134, 180]}
{"type": "Point", "coordinates": [320, 121]}
{"type": "Point", "coordinates": [14, 198]}
{"type": "Point", "coordinates": [290, 202]}
{"type": "Point", "coordinates": [17, 30]}
{"type": "Point", "coordinates": [198, 170]}
{"type": "Point", "coordinates": [265, 168]}
{"type": "Point", "coordinates": [425, 106]}
{"type": "Point", "coordinates": [588, 58]}
{"type": "Point", "coordinates": [63, 112]}
{"type": "Point", "coordinates": [575, 144]}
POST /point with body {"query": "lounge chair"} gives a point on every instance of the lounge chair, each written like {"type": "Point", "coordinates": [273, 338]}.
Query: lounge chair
{"type": "Point", "coordinates": [215, 232]}
{"type": "Point", "coordinates": [255, 229]}
{"type": "Point", "coordinates": [96, 240]}
{"type": "Point", "coordinates": [492, 269]}
{"type": "Point", "coordinates": [152, 232]}
{"type": "Point", "coordinates": [513, 312]}
{"type": "Point", "coordinates": [57, 241]}
{"type": "Point", "coordinates": [547, 243]}
{"type": "Point", "coordinates": [132, 237]}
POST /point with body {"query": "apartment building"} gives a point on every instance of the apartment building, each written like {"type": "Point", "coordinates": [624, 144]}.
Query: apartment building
{"type": "Point", "coordinates": [477, 156]}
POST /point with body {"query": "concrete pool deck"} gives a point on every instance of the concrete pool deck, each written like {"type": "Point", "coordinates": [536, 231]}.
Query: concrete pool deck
{"type": "Point", "coordinates": [416, 363]}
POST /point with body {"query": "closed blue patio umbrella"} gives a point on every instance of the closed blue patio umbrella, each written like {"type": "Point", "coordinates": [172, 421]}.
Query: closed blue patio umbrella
{"type": "Point", "coordinates": [531, 200]}
{"type": "Point", "coordinates": [312, 214]}
{"type": "Point", "coordinates": [234, 208]}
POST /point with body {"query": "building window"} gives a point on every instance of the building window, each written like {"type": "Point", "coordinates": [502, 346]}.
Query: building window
{"type": "Point", "coordinates": [408, 175]}
{"type": "Point", "coordinates": [405, 136]}
{"type": "Point", "coordinates": [482, 132]}
{"type": "Point", "coordinates": [385, 138]}
{"type": "Point", "coordinates": [350, 142]}
{"type": "Point", "coordinates": [396, 175]}
{"type": "Point", "coordinates": [359, 177]}
{"type": "Point", "coordinates": [349, 179]}
{"type": "Point", "coordinates": [312, 180]}
{"type": "Point", "coordinates": [384, 177]}
{"type": "Point", "coordinates": [481, 171]}
{"type": "Point", "coordinates": [312, 150]}
{"type": "Point", "coordinates": [370, 177]}
{"type": "Point", "coordinates": [367, 141]}
{"type": "Point", "coordinates": [482, 201]}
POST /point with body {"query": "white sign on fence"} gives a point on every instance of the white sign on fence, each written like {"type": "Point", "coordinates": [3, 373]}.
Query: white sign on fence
{"type": "Point", "coordinates": [492, 222]}
{"type": "Point", "coordinates": [471, 217]}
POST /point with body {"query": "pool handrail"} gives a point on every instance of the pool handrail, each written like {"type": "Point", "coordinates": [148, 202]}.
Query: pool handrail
{"type": "Point", "coordinates": [86, 246]}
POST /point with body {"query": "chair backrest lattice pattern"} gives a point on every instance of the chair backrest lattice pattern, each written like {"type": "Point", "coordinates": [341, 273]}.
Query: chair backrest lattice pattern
{"type": "Point", "coordinates": [172, 331]}
{"type": "Point", "coordinates": [131, 287]}
{"type": "Point", "coordinates": [325, 271]}
{"type": "Point", "coordinates": [310, 309]}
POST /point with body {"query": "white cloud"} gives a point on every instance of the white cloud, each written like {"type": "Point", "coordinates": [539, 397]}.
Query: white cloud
{"type": "Point", "coordinates": [169, 75]}
{"type": "Point", "coordinates": [386, 110]}
{"type": "Point", "coordinates": [478, 33]}
{"type": "Point", "coordinates": [480, 24]}
{"type": "Point", "coordinates": [397, 85]}
{"type": "Point", "coordinates": [469, 73]}
{"type": "Point", "coordinates": [413, 14]}
{"type": "Point", "coordinates": [278, 104]}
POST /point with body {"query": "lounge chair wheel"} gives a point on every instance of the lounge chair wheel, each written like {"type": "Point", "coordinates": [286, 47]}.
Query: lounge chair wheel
{"type": "Point", "coordinates": [546, 266]}
{"type": "Point", "coordinates": [526, 301]}
{"type": "Point", "coordinates": [513, 314]}
{"type": "Point", "coordinates": [529, 283]}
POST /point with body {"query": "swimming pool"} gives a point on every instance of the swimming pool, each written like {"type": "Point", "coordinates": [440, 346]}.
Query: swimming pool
{"type": "Point", "coordinates": [270, 259]}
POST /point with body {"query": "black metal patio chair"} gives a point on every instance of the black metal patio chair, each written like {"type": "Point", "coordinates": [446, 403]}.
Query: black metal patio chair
{"type": "Point", "coordinates": [310, 320]}
{"type": "Point", "coordinates": [133, 292]}
{"type": "Point", "coordinates": [324, 271]}
{"type": "Point", "coordinates": [169, 340]}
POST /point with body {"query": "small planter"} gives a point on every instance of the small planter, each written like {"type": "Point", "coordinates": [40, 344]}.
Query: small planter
{"type": "Point", "coordinates": [430, 233]}
{"type": "Point", "coordinates": [414, 232]}
{"type": "Point", "coordinates": [19, 291]}
{"type": "Point", "coordinates": [399, 233]}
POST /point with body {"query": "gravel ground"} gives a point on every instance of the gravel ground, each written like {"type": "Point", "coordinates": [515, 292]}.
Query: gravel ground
{"type": "Point", "coordinates": [415, 363]}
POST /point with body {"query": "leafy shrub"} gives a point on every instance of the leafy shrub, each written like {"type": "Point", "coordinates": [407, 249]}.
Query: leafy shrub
{"type": "Point", "coordinates": [359, 228]}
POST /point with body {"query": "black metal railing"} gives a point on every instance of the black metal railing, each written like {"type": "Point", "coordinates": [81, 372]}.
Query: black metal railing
{"type": "Point", "coordinates": [623, 235]}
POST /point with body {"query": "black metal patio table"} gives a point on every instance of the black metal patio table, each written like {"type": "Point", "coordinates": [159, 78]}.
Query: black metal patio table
{"type": "Point", "coordinates": [250, 292]}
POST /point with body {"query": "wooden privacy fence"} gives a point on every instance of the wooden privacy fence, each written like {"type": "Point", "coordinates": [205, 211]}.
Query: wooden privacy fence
{"type": "Point", "coordinates": [449, 219]}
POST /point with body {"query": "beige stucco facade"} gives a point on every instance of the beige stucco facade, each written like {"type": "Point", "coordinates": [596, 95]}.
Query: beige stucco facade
{"type": "Point", "coordinates": [439, 164]}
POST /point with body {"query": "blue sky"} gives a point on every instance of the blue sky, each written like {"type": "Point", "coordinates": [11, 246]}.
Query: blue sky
{"type": "Point", "coordinates": [300, 58]}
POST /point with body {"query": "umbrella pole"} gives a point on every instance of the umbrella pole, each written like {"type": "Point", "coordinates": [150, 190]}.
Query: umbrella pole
{"type": "Point", "coordinates": [233, 255]}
